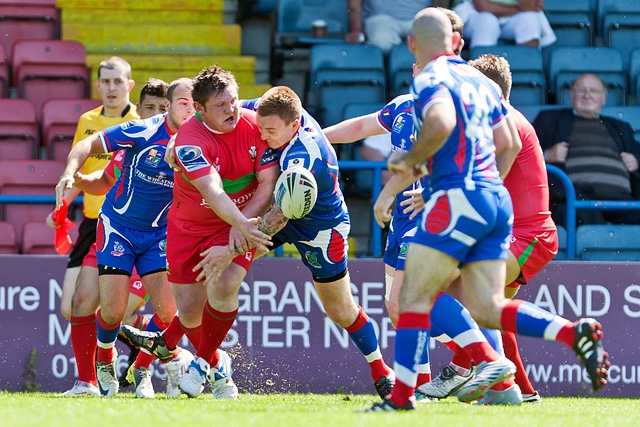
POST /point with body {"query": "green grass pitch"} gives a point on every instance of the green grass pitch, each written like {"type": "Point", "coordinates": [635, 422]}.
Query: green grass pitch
{"type": "Point", "coordinates": [298, 410]}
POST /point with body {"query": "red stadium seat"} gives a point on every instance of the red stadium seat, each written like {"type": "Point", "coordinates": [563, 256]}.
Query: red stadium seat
{"type": "Point", "coordinates": [35, 19]}
{"type": "Point", "coordinates": [49, 69]}
{"type": "Point", "coordinates": [28, 177]}
{"type": "Point", "coordinates": [59, 122]}
{"type": "Point", "coordinates": [19, 131]}
{"type": "Point", "coordinates": [38, 238]}
{"type": "Point", "coordinates": [8, 244]}
{"type": "Point", "coordinates": [4, 73]}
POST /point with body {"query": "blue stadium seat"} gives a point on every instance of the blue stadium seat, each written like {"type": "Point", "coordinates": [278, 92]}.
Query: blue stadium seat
{"type": "Point", "coordinates": [634, 71]}
{"type": "Point", "coordinates": [628, 113]}
{"type": "Point", "coordinates": [614, 7]}
{"type": "Point", "coordinates": [401, 60]}
{"type": "Point", "coordinates": [608, 242]}
{"type": "Point", "coordinates": [622, 31]}
{"type": "Point", "coordinates": [530, 111]}
{"type": "Point", "coordinates": [529, 84]}
{"type": "Point", "coordinates": [572, 21]}
{"type": "Point", "coordinates": [343, 73]}
{"type": "Point", "coordinates": [568, 63]}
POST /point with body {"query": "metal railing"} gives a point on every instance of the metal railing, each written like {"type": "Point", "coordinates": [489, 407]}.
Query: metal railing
{"type": "Point", "coordinates": [376, 244]}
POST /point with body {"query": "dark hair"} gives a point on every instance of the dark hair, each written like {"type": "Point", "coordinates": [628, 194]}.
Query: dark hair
{"type": "Point", "coordinates": [154, 87]}
{"type": "Point", "coordinates": [497, 69]}
{"type": "Point", "coordinates": [116, 63]}
{"type": "Point", "coordinates": [184, 81]}
{"type": "Point", "coordinates": [211, 81]}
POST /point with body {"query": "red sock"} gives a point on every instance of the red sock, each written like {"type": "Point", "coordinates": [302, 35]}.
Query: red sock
{"type": "Point", "coordinates": [512, 353]}
{"type": "Point", "coordinates": [481, 352]}
{"type": "Point", "coordinates": [423, 379]}
{"type": "Point", "coordinates": [377, 366]}
{"type": "Point", "coordinates": [83, 340]}
{"type": "Point", "coordinates": [461, 358]}
{"type": "Point", "coordinates": [194, 335]}
{"type": "Point", "coordinates": [174, 333]}
{"type": "Point", "coordinates": [215, 325]}
{"type": "Point", "coordinates": [141, 322]}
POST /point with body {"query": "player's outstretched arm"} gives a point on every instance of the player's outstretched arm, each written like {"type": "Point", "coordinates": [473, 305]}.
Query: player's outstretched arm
{"type": "Point", "coordinates": [75, 160]}
{"type": "Point", "coordinates": [354, 129]}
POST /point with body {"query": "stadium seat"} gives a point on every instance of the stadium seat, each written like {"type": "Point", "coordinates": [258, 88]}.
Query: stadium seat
{"type": "Point", "coordinates": [292, 33]}
{"type": "Point", "coordinates": [530, 111]}
{"type": "Point", "coordinates": [8, 244]}
{"type": "Point", "coordinates": [38, 238]}
{"type": "Point", "coordinates": [28, 177]}
{"type": "Point", "coordinates": [572, 21]}
{"type": "Point", "coordinates": [341, 73]}
{"type": "Point", "coordinates": [627, 113]}
{"type": "Point", "coordinates": [622, 31]}
{"type": "Point", "coordinates": [49, 69]}
{"type": "Point", "coordinates": [27, 20]}
{"type": "Point", "coordinates": [529, 84]}
{"type": "Point", "coordinates": [59, 122]}
{"type": "Point", "coordinates": [401, 60]}
{"type": "Point", "coordinates": [568, 63]}
{"type": "Point", "coordinates": [608, 242]}
{"type": "Point", "coordinates": [19, 131]}
{"type": "Point", "coordinates": [5, 82]}
{"type": "Point", "coordinates": [614, 7]}
{"type": "Point", "coordinates": [634, 72]}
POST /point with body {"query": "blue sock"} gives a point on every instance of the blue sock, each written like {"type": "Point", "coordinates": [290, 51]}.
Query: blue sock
{"type": "Point", "coordinates": [365, 338]}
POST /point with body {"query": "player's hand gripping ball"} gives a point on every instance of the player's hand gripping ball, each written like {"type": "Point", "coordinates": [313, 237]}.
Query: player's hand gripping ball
{"type": "Point", "coordinates": [296, 192]}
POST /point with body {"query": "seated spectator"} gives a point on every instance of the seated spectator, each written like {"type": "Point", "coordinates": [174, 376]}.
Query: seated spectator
{"type": "Point", "coordinates": [518, 21]}
{"type": "Point", "coordinates": [384, 23]}
{"type": "Point", "coordinates": [597, 152]}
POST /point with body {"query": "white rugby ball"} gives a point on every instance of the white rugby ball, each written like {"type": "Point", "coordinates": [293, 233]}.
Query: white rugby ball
{"type": "Point", "coordinates": [296, 192]}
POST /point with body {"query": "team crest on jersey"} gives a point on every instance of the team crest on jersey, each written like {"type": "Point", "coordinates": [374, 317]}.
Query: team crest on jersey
{"type": "Point", "coordinates": [118, 249]}
{"type": "Point", "coordinates": [312, 259]}
{"type": "Point", "coordinates": [191, 157]}
{"type": "Point", "coordinates": [253, 152]}
{"type": "Point", "coordinates": [154, 157]}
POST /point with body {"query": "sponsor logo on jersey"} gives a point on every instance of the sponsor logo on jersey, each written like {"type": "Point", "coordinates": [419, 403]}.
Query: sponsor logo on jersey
{"type": "Point", "coordinates": [153, 157]}
{"type": "Point", "coordinates": [294, 162]}
{"type": "Point", "coordinates": [191, 158]}
{"type": "Point", "coordinates": [269, 156]}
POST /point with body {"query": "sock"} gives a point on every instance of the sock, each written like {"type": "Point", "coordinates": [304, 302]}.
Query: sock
{"type": "Point", "coordinates": [364, 337]}
{"type": "Point", "coordinates": [141, 322]}
{"type": "Point", "coordinates": [173, 333]}
{"type": "Point", "coordinates": [454, 320]}
{"type": "Point", "coordinates": [424, 368]}
{"type": "Point", "coordinates": [494, 338]}
{"type": "Point", "coordinates": [83, 341]}
{"type": "Point", "coordinates": [215, 325]}
{"type": "Point", "coordinates": [194, 335]}
{"type": "Point", "coordinates": [512, 353]}
{"type": "Point", "coordinates": [144, 358]}
{"type": "Point", "coordinates": [412, 337]}
{"type": "Point", "coordinates": [107, 336]}
{"type": "Point", "coordinates": [461, 360]}
{"type": "Point", "coordinates": [523, 318]}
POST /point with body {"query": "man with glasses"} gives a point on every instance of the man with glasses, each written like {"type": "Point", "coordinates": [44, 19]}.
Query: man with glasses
{"type": "Point", "coordinates": [597, 152]}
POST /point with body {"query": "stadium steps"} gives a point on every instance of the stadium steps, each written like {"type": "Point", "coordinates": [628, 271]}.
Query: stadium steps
{"type": "Point", "coordinates": [162, 39]}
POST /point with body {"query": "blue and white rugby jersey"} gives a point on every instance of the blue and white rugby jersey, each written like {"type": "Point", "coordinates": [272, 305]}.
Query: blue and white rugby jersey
{"type": "Point", "coordinates": [467, 159]}
{"type": "Point", "coordinates": [142, 194]}
{"type": "Point", "coordinates": [397, 118]}
{"type": "Point", "coordinates": [310, 149]}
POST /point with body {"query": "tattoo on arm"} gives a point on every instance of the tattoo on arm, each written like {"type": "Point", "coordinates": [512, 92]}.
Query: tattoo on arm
{"type": "Point", "coordinates": [273, 221]}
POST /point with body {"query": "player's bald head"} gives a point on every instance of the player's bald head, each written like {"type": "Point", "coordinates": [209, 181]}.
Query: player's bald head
{"type": "Point", "coordinates": [432, 30]}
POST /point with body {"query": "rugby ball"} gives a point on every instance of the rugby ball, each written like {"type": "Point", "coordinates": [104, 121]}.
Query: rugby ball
{"type": "Point", "coordinates": [296, 192]}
